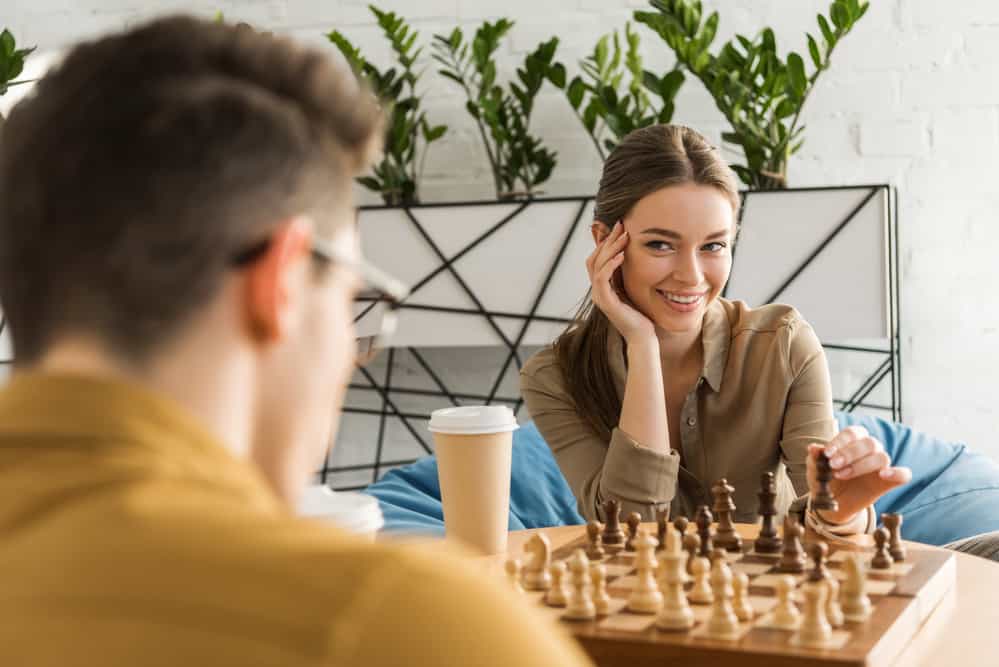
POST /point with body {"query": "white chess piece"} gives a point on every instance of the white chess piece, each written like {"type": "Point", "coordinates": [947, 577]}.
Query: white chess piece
{"type": "Point", "coordinates": [580, 606]}
{"type": "Point", "coordinates": [786, 614]}
{"type": "Point", "coordinates": [598, 577]}
{"type": "Point", "coordinates": [558, 594]}
{"type": "Point", "coordinates": [645, 597]}
{"type": "Point", "coordinates": [536, 575]}
{"type": "Point", "coordinates": [853, 594]}
{"type": "Point", "coordinates": [815, 631]}
{"type": "Point", "coordinates": [723, 623]}
{"type": "Point", "coordinates": [676, 613]}
{"type": "Point", "coordinates": [740, 600]}
{"type": "Point", "coordinates": [513, 574]}
{"type": "Point", "coordinates": [701, 592]}
{"type": "Point", "coordinates": [834, 612]}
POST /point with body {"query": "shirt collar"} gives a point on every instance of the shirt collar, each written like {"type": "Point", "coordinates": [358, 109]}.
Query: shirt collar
{"type": "Point", "coordinates": [97, 413]}
{"type": "Point", "coordinates": [716, 335]}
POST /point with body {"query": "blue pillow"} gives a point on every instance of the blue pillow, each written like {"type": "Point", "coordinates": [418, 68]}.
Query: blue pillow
{"type": "Point", "coordinates": [539, 496]}
{"type": "Point", "coordinates": [954, 492]}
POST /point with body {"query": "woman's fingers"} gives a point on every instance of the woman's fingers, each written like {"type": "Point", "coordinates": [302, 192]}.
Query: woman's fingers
{"type": "Point", "coordinates": [844, 438]}
{"type": "Point", "coordinates": [603, 291]}
{"type": "Point", "coordinates": [853, 451]}
{"type": "Point", "coordinates": [874, 462]}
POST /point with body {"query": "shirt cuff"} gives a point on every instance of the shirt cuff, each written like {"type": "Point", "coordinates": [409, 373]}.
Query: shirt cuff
{"type": "Point", "coordinates": [638, 475]}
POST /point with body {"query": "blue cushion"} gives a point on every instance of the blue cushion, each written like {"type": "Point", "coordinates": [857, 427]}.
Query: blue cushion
{"type": "Point", "coordinates": [954, 491]}
{"type": "Point", "coordinates": [539, 495]}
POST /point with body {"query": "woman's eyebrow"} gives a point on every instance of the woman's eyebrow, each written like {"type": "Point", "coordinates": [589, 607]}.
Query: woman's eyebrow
{"type": "Point", "coordinates": [669, 233]}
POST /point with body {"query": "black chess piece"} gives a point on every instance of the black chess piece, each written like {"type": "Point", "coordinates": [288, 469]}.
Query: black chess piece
{"type": "Point", "coordinates": [882, 557]}
{"type": "Point", "coordinates": [823, 499]}
{"type": "Point", "coordinates": [725, 537]}
{"type": "Point", "coordinates": [893, 522]}
{"type": "Point", "coordinates": [594, 541]}
{"type": "Point", "coordinates": [662, 527]}
{"type": "Point", "coordinates": [613, 537]}
{"type": "Point", "coordinates": [792, 558]}
{"type": "Point", "coordinates": [680, 524]}
{"type": "Point", "coordinates": [767, 542]}
{"type": "Point", "coordinates": [703, 519]}
{"type": "Point", "coordinates": [819, 572]}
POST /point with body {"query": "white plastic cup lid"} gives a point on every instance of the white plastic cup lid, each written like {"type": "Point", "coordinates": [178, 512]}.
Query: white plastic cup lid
{"type": "Point", "coordinates": [473, 420]}
{"type": "Point", "coordinates": [357, 512]}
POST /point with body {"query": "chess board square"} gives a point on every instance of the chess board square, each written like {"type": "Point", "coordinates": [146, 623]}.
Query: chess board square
{"type": "Point", "coordinates": [902, 568]}
{"type": "Point", "coordinates": [627, 622]}
{"type": "Point", "coordinates": [752, 569]}
{"type": "Point", "coordinates": [770, 580]}
{"type": "Point", "coordinates": [879, 587]}
{"type": "Point", "coordinates": [617, 570]}
{"type": "Point", "coordinates": [762, 604]}
{"type": "Point", "coordinates": [766, 622]}
{"type": "Point", "coordinates": [701, 631]}
{"type": "Point", "coordinates": [838, 640]}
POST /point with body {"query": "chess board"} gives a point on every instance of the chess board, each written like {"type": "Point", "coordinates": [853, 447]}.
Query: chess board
{"type": "Point", "coordinates": [901, 598]}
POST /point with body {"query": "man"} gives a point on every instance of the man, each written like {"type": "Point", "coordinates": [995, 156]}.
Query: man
{"type": "Point", "coordinates": [177, 265]}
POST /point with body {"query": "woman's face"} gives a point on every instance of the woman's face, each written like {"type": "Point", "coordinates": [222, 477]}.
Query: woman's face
{"type": "Point", "coordinates": [679, 254]}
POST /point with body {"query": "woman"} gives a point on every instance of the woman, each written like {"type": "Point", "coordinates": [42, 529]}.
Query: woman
{"type": "Point", "coordinates": [661, 387]}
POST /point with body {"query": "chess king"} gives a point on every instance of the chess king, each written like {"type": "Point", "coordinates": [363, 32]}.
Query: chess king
{"type": "Point", "coordinates": [661, 386]}
{"type": "Point", "coordinates": [179, 261]}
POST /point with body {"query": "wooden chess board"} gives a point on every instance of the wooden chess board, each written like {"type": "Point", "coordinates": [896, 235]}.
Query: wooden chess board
{"type": "Point", "coordinates": [901, 598]}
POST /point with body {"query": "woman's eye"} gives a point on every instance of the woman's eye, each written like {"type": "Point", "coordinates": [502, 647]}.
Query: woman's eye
{"type": "Point", "coordinates": [659, 245]}
{"type": "Point", "coordinates": [714, 247]}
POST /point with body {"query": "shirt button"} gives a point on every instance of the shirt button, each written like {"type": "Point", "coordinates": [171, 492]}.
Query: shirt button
{"type": "Point", "coordinates": [691, 421]}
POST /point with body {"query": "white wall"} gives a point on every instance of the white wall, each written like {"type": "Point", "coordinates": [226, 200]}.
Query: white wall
{"type": "Point", "coordinates": [912, 99]}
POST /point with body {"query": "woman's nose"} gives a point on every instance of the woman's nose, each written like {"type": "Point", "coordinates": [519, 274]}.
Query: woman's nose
{"type": "Point", "coordinates": [687, 269]}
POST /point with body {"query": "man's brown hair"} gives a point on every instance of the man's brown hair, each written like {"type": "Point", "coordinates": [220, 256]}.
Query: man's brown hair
{"type": "Point", "coordinates": [141, 164]}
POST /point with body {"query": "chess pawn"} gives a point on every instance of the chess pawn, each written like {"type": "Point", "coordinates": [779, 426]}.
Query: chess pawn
{"type": "Point", "coordinates": [536, 575]}
{"type": "Point", "coordinates": [834, 612]}
{"type": "Point", "coordinates": [598, 577]}
{"type": "Point", "coordinates": [820, 572]}
{"type": "Point", "coordinates": [882, 558]}
{"type": "Point", "coordinates": [675, 613]}
{"type": "Point", "coordinates": [815, 631]}
{"type": "Point", "coordinates": [893, 522]}
{"type": "Point", "coordinates": [692, 545]}
{"type": "Point", "coordinates": [725, 537]}
{"type": "Point", "coordinates": [792, 558]}
{"type": "Point", "coordinates": [703, 520]}
{"type": "Point", "coordinates": [613, 536]}
{"type": "Point", "coordinates": [662, 527]}
{"type": "Point", "coordinates": [722, 623]}
{"type": "Point", "coordinates": [701, 593]}
{"type": "Point", "coordinates": [645, 597]}
{"type": "Point", "coordinates": [558, 594]}
{"type": "Point", "coordinates": [634, 521]}
{"type": "Point", "coordinates": [786, 615]}
{"type": "Point", "coordinates": [580, 606]}
{"type": "Point", "coordinates": [513, 574]}
{"type": "Point", "coordinates": [767, 542]}
{"type": "Point", "coordinates": [740, 598]}
{"type": "Point", "coordinates": [594, 541]}
{"type": "Point", "coordinates": [853, 594]}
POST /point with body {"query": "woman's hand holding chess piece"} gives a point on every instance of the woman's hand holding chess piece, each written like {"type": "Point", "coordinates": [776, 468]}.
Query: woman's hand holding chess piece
{"type": "Point", "coordinates": [861, 473]}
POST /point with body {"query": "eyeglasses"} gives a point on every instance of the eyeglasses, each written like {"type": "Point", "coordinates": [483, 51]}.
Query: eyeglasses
{"type": "Point", "coordinates": [380, 288]}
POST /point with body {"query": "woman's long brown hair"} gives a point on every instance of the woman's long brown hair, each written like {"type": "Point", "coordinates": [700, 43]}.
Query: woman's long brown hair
{"type": "Point", "coordinates": [646, 160]}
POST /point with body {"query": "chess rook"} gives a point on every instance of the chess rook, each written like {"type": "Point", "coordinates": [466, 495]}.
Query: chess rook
{"type": "Point", "coordinates": [823, 499]}
{"type": "Point", "coordinates": [767, 542]}
{"type": "Point", "coordinates": [893, 522]}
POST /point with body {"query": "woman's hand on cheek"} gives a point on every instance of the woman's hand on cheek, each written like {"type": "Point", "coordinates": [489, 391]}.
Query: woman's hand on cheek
{"type": "Point", "coordinates": [862, 472]}
{"type": "Point", "coordinates": [607, 293]}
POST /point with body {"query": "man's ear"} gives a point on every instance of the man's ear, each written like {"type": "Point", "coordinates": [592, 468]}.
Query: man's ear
{"type": "Point", "coordinates": [269, 282]}
{"type": "Point", "coordinates": [599, 230]}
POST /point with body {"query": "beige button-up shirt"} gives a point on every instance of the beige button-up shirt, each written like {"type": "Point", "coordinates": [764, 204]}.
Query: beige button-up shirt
{"type": "Point", "coordinates": [763, 395]}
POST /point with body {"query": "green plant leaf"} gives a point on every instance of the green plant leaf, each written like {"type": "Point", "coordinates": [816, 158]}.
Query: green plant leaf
{"type": "Point", "coordinates": [796, 75]}
{"type": "Point", "coordinates": [556, 74]}
{"type": "Point", "coordinates": [370, 183]}
{"type": "Point", "coordinates": [827, 33]}
{"type": "Point", "coordinates": [813, 50]}
{"type": "Point", "coordinates": [840, 15]}
{"type": "Point", "coordinates": [575, 92]}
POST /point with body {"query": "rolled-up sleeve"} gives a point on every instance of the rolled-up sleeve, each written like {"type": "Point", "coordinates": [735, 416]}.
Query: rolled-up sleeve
{"type": "Point", "coordinates": [808, 416]}
{"type": "Point", "coordinates": [642, 479]}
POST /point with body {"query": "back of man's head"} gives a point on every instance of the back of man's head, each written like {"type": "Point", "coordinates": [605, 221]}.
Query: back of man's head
{"type": "Point", "coordinates": [139, 166]}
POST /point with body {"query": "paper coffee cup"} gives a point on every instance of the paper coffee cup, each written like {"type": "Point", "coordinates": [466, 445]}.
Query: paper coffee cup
{"type": "Point", "coordinates": [474, 446]}
{"type": "Point", "coordinates": [355, 512]}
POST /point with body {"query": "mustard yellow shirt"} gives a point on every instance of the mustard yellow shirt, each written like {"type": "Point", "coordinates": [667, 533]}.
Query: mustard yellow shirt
{"type": "Point", "coordinates": [763, 395]}
{"type": "Point", "coordinates": [129, 536]}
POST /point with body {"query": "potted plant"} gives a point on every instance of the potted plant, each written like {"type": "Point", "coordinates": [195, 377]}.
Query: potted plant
{"type": "Point", "coordinates": [409, 133]}
{"type": "Point", "coordinates": [760, 93]}
{"type": "Point", "coordinates": [11, 62]}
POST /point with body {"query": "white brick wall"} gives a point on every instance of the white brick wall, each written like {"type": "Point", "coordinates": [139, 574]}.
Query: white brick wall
{"type": "Point", "coordinates": [912, 99]}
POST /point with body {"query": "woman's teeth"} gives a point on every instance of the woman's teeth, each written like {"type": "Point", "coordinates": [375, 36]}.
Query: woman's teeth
{"type": "Point", "coordinates": [676, 298]}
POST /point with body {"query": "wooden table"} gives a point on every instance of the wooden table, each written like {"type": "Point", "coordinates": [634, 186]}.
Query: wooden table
{"type": "Point", "coordinates": [963, 630]}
